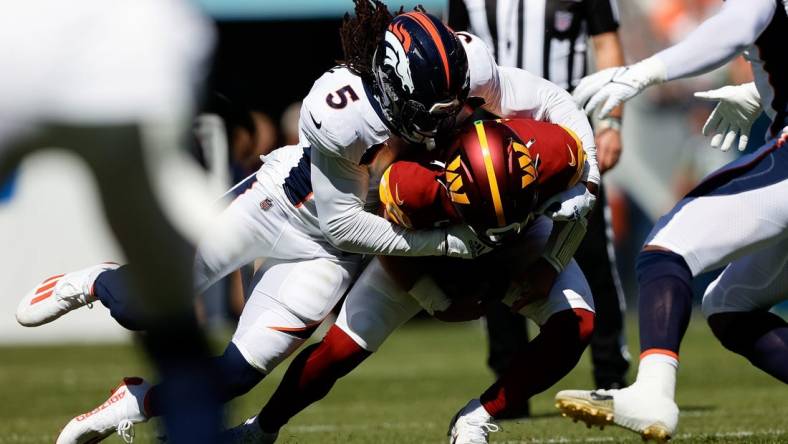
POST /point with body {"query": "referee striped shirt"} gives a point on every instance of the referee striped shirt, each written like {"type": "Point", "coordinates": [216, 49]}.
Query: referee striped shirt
{"type": "Point", "coordinates": [548, 38]}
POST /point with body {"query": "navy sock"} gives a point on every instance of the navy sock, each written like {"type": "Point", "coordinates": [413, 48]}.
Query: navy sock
{"type": "Point", "coordinates": [236, 375]}
{"type": "Point", "coordinates": [231, 377]}
{"type": "Point", "coordinates": [759, 336]}
{"type": "Point", "coordinates": [114, 289]}
{"type": "Point", "coordinates": [665, 302]}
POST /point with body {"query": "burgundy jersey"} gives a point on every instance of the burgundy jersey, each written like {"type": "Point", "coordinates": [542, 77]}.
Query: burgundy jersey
{"type": "Point", "coordinates": [413, 193]}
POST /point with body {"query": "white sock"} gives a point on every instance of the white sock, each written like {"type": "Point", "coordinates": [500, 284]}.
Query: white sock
{"type": "Point", "coordinates": [657, 371]}
{"type": "Point", "coordinates": [477, 410]}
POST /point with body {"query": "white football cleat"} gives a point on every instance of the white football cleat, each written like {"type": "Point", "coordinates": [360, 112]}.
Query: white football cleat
{"type": "Point", "coordinates": [651, 415]}
{"type": "Point", "coordinates": [119, 413]}
{"type": "Point", "coordinates": [471, 425]}
{"type": "Point", "coordinates": [248, 433]}
{"type": "Point", "coordinates": [59, 294]}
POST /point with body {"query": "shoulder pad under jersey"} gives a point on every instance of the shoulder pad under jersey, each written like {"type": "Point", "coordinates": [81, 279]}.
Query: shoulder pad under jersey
{"type": "Point", "coordinates": [410, 193]}
{"type": "Point", "coordinates": [339, 116]}
{"type": "Point", "coordinates": [482, 67]}
{"type": "Point", "coordinates": [556, 151]}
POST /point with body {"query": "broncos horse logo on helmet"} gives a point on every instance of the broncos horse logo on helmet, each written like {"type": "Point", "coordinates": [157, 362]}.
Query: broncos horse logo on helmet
{"type": "Point", "coordinates": [421, 74]}
{"type": "Point", "coordinates": [491, 179]}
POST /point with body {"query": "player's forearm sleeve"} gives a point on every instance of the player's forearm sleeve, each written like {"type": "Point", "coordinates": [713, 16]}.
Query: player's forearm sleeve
{"type": "Point", "coordinates": [340, 188]}
{"type": "Point", "coordinates": [718, 39]}
{"type": "Point", "coordinates": [523, 94]}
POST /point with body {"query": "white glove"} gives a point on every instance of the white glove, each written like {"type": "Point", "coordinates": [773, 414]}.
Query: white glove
{"type": "Point", "coordinates": [737, 109]}
{"type": "Point", "coordinates": [613, 86]}
{"type": "Point", "coordinates": [462, 241]}
{"type": "Point", "coordinates": [572, 204]}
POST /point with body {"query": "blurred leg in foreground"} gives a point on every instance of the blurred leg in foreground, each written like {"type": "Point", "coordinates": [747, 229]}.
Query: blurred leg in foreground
{"type": "Point", "coordinates": [114, 84]}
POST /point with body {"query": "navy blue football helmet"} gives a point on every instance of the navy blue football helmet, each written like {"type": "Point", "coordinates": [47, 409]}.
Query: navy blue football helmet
{"type": "Point", "coordinates": [421, 75]}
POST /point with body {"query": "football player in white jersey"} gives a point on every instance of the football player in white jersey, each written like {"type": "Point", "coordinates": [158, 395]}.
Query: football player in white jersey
{"type": "Point", "coordinates": [112, 83]}
{"type": "Point", "coordinates": [406, 78]}
{"type": "Point", "coordinates": [483, 186]}
{"type": "Point", "coordinates": [745, 199]}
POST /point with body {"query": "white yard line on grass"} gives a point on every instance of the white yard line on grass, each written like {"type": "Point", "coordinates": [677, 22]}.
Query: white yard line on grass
{"type": "Point", "coordinates": [328, 428]}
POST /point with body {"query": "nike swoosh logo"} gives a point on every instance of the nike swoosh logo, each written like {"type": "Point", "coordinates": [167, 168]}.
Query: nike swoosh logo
{"type": "Point", "coordinates": [396, 195]}
{"type": "Point", "coordinates": [317, 124]}
{"type": "Point", "coordinates": [572, 162]}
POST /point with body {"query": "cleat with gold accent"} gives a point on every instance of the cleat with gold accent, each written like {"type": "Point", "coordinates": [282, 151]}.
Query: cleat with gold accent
{"type": "Point", "coordinates": [652, 416]}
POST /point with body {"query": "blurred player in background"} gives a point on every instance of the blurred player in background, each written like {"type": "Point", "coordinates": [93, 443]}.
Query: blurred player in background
{"type": "Point", "coordinates": [352, 125]}
{"type": "Point", "coordinates": [550, 38]}
{"type": "Point", "coordinates": [745, 200]}
{"type": "Point", "coordinates": [494, 176]}
{"type": "Point", "coordinates": [115, 82]}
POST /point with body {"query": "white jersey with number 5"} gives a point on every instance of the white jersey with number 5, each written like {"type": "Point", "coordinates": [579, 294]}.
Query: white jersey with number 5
{"type": "Point", "coordinates": [344, 132]}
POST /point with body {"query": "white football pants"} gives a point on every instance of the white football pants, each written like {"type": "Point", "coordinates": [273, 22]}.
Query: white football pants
{"type": "Point", "coordinates": [301, 280]}
{"type": "Point", "coordinates": [376, 305]}
{"type": "Point", "coordinates": [738, 216]}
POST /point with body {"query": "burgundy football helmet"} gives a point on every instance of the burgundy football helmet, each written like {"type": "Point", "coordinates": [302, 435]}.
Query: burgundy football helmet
{"type": "Point", "coordinates": [491, 179]}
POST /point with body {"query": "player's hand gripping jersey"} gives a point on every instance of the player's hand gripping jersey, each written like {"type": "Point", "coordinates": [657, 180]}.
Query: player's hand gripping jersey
{"type": "Point", "coordinates": [344, 127]}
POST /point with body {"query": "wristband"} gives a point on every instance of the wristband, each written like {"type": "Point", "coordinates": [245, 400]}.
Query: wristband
{"type": "Point", "coordinates": [609, 122]}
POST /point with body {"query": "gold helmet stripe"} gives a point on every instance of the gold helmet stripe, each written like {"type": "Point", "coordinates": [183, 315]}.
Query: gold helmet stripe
{"type": "Point", "coordinates": [488, 165]}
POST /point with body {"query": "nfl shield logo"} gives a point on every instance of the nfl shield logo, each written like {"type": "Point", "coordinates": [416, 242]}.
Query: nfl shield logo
{"type": "Point", "coordinates": [563, 20]}
{"type": "Point", "coordinates": [266, 204]}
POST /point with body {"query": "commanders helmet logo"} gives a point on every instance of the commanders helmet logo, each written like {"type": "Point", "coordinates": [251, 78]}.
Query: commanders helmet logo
{"type": "Point", "coordinates": [525, 161]}
{"type": "Point", "coordinates": [454, 181]}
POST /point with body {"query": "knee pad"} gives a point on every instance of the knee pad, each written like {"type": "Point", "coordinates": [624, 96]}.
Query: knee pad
{"type": "Point", "coordinates": [651, 265]}
{"type": "Point", "coordinates": [738, 331]}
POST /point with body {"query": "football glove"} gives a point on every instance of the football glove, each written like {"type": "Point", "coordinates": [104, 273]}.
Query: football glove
{"type": "Point", "coordinates": [461, 241]}
{"type": "Point", "coordinates": [572, 204]}
{"type": "Point", "coordinates": [611, 87]}
{"type": "Point", "coordinates": [737, 108]}
{"type": "Point", "coordinates": [429, 295]}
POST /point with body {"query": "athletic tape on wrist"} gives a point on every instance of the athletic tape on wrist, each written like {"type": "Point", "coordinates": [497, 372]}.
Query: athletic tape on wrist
{"type": "Point", "coordinates": [564, 241]}
{"type": "Point", "coordinates": [429, 295]}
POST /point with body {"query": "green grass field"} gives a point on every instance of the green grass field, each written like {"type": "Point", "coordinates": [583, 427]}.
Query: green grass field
{"type": "Point", "coordinates": [406, 393]}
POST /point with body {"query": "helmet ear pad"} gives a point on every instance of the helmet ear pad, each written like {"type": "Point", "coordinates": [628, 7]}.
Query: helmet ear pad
{"type": "Point", "coordinates": [418, 64]}
{"type": "Point", "coordinates": [491, 177]}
